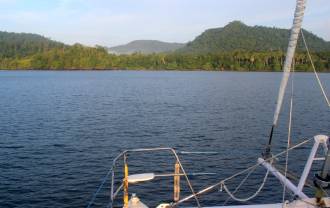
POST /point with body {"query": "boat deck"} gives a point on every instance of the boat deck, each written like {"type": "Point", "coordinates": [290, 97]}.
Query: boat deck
{"type": "Point", "coordinates": [308, 203]}
{"type": "Point", "coordinates": [250, 206]}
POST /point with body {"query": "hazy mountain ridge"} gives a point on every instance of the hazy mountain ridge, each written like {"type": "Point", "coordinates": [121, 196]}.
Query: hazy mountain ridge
{"type": "Point", "coordinates": [238, 36]}
{"type": "Point", "coordinates": [232, 37]}
{"type": "Point", "coordinates": [235, 47]}
{"type": "Point", "coordinates": [145, 47]}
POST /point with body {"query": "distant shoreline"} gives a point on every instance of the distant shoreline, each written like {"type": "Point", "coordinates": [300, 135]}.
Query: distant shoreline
{"type": "Point", "coordinates": [152, 70]}
{"type": "Point", "coordinates": [228, 48]}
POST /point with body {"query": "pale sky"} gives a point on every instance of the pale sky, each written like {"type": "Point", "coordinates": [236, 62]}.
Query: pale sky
{"type": "Point", "coordinates": [113, 22]}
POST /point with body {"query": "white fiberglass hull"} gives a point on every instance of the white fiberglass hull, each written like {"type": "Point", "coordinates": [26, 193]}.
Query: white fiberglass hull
{"type": "Point", "coordinates": [308, 203]}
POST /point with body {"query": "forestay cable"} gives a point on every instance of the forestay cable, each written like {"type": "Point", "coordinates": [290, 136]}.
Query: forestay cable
{"type": "Point", "coordinates": [316, 75]}
{"type": "Point", "coordinates": [289, 130]}
{"type": "Point", "coordinates": [296, 26]}
{"type": "Point", "coordinates": [297, 22]}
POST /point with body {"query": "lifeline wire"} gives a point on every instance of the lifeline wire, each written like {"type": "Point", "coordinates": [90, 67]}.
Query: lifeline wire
{"type": "Point", "coordinates": [99, 189]}
{"type": "Point", "coordinates": [239, 186]}
{"type": "Point", "coordinates": [250, 197]}
{"type": "Point", "coordinates": [237, 174]}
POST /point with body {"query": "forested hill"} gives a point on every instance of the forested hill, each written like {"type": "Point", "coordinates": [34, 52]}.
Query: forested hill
{"type": "Point", "coordinates": [24, 44]}
{"type": "Point", "coordinates": [145, 47]}
{"type": "Point", "coordinates": [235, 47]}
{"type": "Point", "coordinates": [238, 36]}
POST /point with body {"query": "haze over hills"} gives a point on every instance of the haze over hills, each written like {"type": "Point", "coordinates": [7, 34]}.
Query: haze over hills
{"type": "Point", "coordinates": [235, 46]}
{"type": "Point", "coordinates": [145, 47]}
{"type": "Point", "coordinates": [238, 36]}
{"type": "Point", "coordinates": [234, 36]}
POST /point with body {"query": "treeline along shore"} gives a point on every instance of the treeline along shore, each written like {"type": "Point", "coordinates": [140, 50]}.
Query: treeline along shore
{"type": "Point", "coordinates": [90, 58]}
{"type": "Point", "coordinates": [234, 47]}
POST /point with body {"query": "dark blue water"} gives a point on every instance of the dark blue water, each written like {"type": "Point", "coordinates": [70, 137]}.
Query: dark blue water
{"type": "Point", "coordinates": [59, 131]}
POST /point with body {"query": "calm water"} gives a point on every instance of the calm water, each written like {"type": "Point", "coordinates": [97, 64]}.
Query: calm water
{"type": "Point", "coordinates": [59, 131]}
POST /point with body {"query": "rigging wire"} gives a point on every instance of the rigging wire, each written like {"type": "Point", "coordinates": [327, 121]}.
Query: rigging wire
{"type": "Point", "coordinates": [220, 183]}
{"type": "Point", "coordinates": [231, 194]}
{"type": "Point", "coordinates": [239, 186]}
{"type": "Point", "coordinates": [296, 27]}
{"type": "Point", "coordinates": [289, 129]}
{"type": "Point", "coordinates": [312, 63]}
{"type": "Point", "coordinates": [99, 188]}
